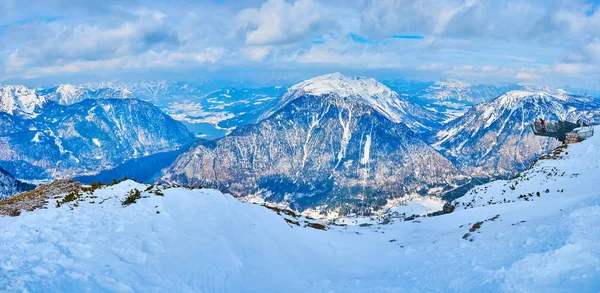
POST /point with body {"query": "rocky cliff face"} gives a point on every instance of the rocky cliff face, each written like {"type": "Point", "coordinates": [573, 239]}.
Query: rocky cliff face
{"type": "Point", "coordinates": [332, 147]}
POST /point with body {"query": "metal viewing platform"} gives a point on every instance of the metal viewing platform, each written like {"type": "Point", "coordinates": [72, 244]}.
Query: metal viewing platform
{"type": "Point", "coordinates": [558, 130]}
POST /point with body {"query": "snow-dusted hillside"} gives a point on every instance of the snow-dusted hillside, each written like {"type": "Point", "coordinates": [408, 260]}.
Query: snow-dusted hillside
{"type": "Point", "coordinates": [495, 138]}
{"type": "Point", "coordinates": [203, 241]}
{"type": "Point", "coordinates": [568, 170]}
{"type": "Point", "coordinates": [86, 137]}
{"type": "Point", "coordinates": [10, 186]}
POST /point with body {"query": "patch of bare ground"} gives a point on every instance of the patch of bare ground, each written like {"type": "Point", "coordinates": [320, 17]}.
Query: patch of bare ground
{"type": "Point", "coordinates": [295, 219]}
{"type": "Point", "coordinates": [38, 198]}
{"type": "Point", "coordinates": [555, 154]}
{"type": "Point", "coordinates": [468, 236]}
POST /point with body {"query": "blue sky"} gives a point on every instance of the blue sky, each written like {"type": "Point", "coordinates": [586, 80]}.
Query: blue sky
{"type": "Point", "coordinates": [526, 41]}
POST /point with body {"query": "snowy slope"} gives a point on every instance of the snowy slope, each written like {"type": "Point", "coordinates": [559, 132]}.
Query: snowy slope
{"type": "Point", "coordinates": [569, 169]}
{"type": "Point", "coordinates": [203, 241]}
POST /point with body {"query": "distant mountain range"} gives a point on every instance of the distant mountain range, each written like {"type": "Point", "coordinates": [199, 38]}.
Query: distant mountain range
{"type": "Point", "coordinates": [331, 143]}
{"type": "Point", "coordinates": [449, 98]}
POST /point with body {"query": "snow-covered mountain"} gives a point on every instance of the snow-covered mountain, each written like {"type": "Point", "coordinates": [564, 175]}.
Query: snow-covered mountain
{"type": "Point", "coordinates": [539, 232]}
{"type": "Point", "coordinates": [19, 100]}
{"type": "Point", "coordinates": [494, 139]}
{"type": "Point", "coordinates": [333, 147]}
{"type": "Point", "coordinates": [154, 91]}
{"type": "Point", "coordinates": [86, 137]}
{"type": "Point", "coordinates": [369, 91]}
{"type": "Point", "coordinates": [68, 94]}
{"type": "Point", "coordinates": [460, 91]}
{"type": "Point", "coordinates": [448, 98]}
{"type": "Point", "coordinates": [10, 186]}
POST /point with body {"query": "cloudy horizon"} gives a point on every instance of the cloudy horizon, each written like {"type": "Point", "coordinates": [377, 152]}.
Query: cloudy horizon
{"type": "Point", "coordinates": [527, 42]}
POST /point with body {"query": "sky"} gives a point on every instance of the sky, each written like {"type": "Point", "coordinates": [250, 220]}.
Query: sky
{"type": "Point", "coordinates": [546, 42]}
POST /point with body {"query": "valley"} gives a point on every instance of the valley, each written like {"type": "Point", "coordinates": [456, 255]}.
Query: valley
{"type": "Point", "coordinates": [554, 226]}
{"type": "Point", "coordinates": [332, 146]}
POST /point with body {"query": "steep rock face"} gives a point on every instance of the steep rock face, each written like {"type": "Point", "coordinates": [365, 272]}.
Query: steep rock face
{"type": "Point", "coordinates": [494, 139]}
{"type": "Point", "coordinates": [10, 186]}
{"type": "Point", "coordinates": [87, 137]}
{"type": "Point", "coordinates": [322, 149]}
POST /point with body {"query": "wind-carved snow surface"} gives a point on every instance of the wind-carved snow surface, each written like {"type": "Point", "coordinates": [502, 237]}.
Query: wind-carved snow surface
{"type": "Point", "coordinates": [204, 241]}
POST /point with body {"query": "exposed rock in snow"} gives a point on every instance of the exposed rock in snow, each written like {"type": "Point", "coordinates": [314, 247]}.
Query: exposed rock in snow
{"type": "Point", "coordinates": [35, 199]}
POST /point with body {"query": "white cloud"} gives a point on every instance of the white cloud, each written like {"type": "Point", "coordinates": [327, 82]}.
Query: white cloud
{"type": "Point", "coordinates": [256, 54]}
{"type": "Point", "coordinates": [489, 40]}
{"type": "Point", "coordinates": [150, 59]}
{"type": "Point", "coordinates": [527, 75]}
{"type": "Point", "coordinates": [277, 21]}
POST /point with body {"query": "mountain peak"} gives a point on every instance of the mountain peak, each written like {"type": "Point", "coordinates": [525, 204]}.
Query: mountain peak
{"type": "Point", "coordinates": [452, 83]}
{"type": "Point", "coordinates": [362, 89]}
{"type": "Point", "coordinates": [514, 97]}
{"type": "Point", "coordinates": [343, 86]}
{"type": "Point", "coordinates": [19, 99]}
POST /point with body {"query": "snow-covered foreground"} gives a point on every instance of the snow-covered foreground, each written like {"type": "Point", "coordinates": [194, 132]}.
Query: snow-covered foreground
{"type": "Point", "coordinates": [203, 241]}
